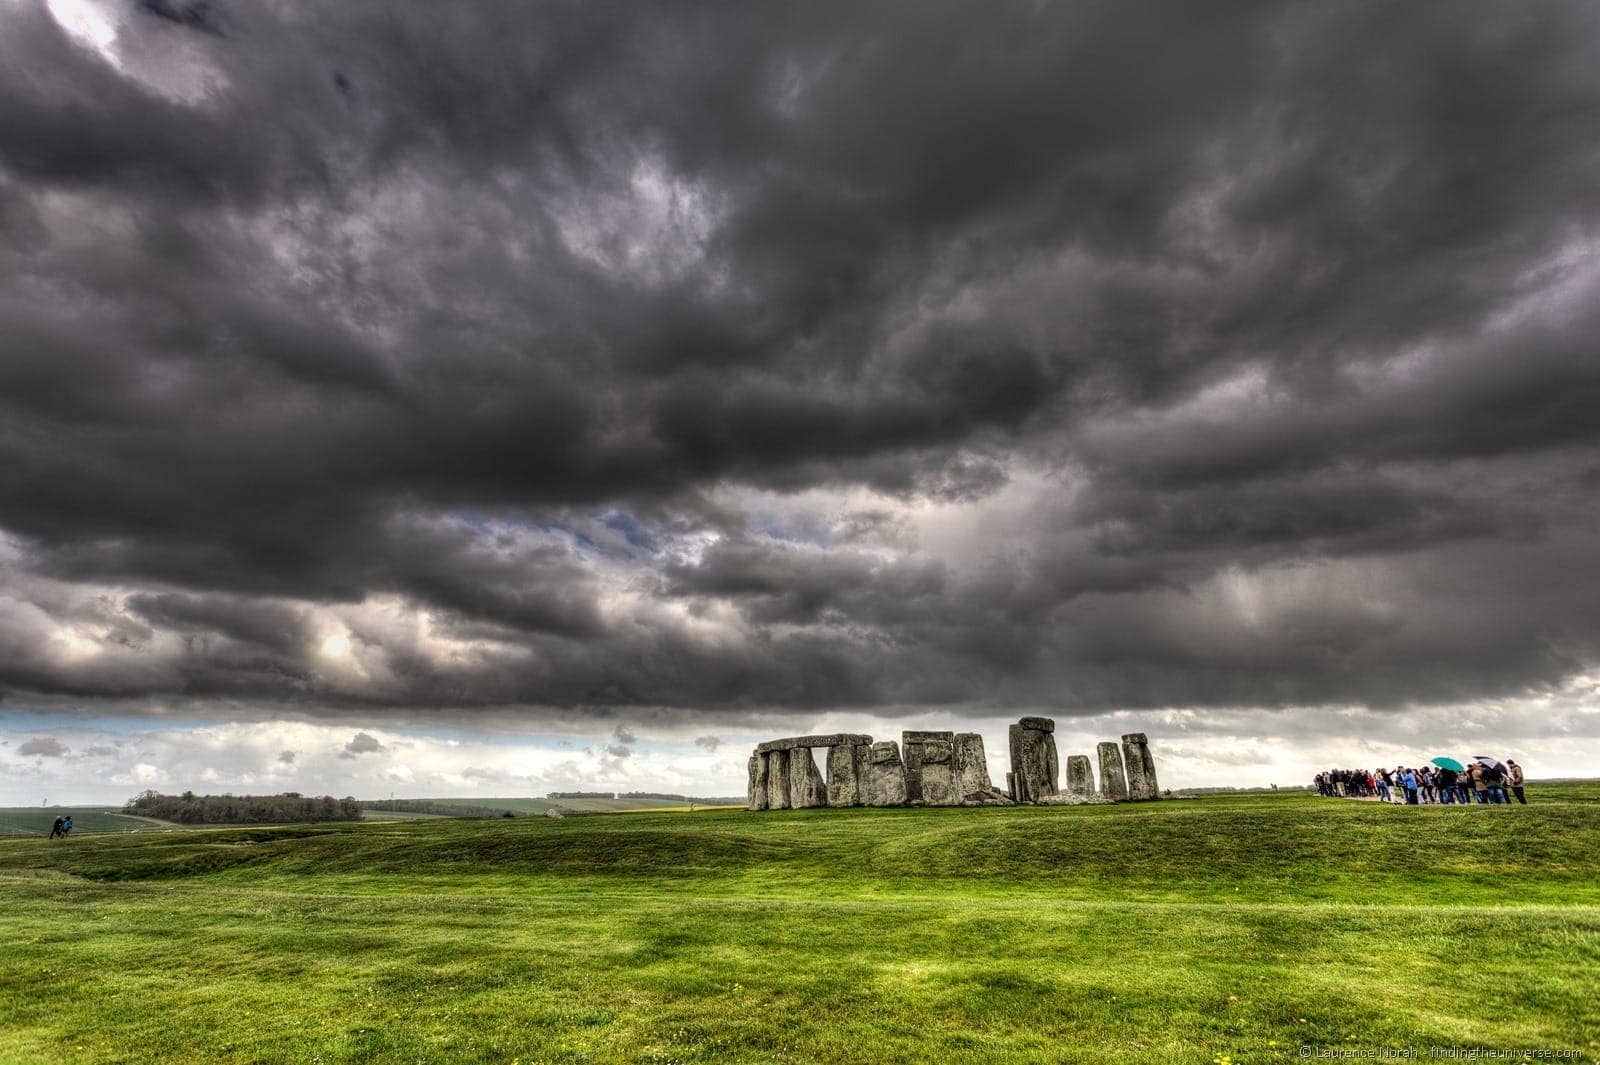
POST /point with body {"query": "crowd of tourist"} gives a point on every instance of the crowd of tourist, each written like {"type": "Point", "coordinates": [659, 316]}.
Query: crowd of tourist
{"type": "Point", "coordinates": [1446, 781]}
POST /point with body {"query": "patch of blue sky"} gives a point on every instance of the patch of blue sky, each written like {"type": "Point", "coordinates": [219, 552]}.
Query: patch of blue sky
{"type": "Point", "coordinates": [40, 721]}
{"type": "Point", "coordinates": [630, 529]}
{"type": "Point", "coordinates": [794, 529]}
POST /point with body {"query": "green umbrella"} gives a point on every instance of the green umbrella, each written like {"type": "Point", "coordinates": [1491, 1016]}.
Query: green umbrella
{"type": "Point", "coordinates": [1449, 763]}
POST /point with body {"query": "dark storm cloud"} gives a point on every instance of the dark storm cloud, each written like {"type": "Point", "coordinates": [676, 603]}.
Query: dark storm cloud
{"type": "Point", "coordinates": [417, 359]}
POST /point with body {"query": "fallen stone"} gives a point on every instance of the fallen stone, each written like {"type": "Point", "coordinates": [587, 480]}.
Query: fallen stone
{"type": "Point", "coordinates": [758, 782]}
{"type": "Point", "coordinates": [1074, 800]}
{"type": "Point", "coordinates": [886, 775]}
{"type": "Point", "coordinates": [807, 789]}
{"type": "Point", "coordinates": [1113, 785]}
{"type": "Point", "coordinates": [834, 739]}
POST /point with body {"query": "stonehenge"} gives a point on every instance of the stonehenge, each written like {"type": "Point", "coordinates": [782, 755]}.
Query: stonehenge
{"type": "Point", "coordinates": [944, 769]}
{"type": "Point", "coordinates": [1080, 777]}
{"type": "Point", "coordinates": [1113, 782]}
{"type": "Point", "coordinates": [886, 775]}
{"type": "Point", "coordinates": [1141, 768]}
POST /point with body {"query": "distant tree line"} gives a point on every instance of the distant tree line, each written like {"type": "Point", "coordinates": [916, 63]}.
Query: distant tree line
{"type": "Point", "coordinates": [669, 797]}
{"type": "Point", "coordinates": [443, 809]}
{"type": "Point", "coordinates": [289, 807]}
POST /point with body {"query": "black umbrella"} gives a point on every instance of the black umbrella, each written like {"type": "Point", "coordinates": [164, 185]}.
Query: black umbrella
{"type": "Point", "coordinates": [1485, 760]}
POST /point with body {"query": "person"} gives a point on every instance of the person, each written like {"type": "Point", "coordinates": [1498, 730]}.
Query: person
{"type": "Point", "coordinates": [1408, 781]}
{"type": "Point", "coordinates": [66, 826]}
{"type": "Point", "coordinates": [1446, 779]}
{"type": "Point", "coordinates": [1383, 786]}
{"type": "Point", "coordinates": [1480, 787]}
{"type": "Point", "coordinates": [1494, 782]}
{"type": "Point", "coordinates": [1517, 780]}
{"type": "Point", "coordinates": [55, 829]}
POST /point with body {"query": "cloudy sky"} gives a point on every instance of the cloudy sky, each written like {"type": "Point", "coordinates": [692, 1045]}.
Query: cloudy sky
{"type": "Point", "coordinates": [485, 399]}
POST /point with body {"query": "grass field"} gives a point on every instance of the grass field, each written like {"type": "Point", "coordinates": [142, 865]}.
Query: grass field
{"type": "Point", "coordinates": [86, 820]}
{"type": "Point", "coordinates": [1185, 931]}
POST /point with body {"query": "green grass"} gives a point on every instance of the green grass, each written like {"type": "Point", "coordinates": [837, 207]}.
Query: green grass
{"type": "Point", "coordinates": [1182, 931]}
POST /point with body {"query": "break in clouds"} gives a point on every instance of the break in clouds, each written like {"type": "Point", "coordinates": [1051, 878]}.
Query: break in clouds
{"type": "Point", "coordinates": [685, 364]}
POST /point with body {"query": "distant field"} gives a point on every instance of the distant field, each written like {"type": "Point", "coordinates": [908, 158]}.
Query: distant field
{"type": "Point", "coordinates": [86, 820]}
{"type": "Point", "coordinates": [602, 806]}
{"type": "Point", "coordinates": [1236, 927]}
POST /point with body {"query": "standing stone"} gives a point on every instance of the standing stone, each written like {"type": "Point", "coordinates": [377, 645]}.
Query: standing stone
{"type": "Point", "coordinates": [1011, 786]}
{"type": "Point", "coordinates": [938, 774]}
{"type": "Point", "coordinates": [861, 755]}
{"type": "Point", "coordinates": [777, 780]}
{"type": "Point", "coordinates": [1113, 785]}
{"type": "Point", "coordinates": [806, 786]}
{"type": "Point", "coordinates": [912, 744]}
{"type": "Point", "coordinates": [1149, 766]}
{"type": "Point", "coordinates": [913, 769]}
{"type": "Point", "coordinates": [844, 786]}
{"type": "Point", "coordinates": [970, 766]}
{"type": "Point", "coordinates": [886, 775]}
{"type": "Point", "coordinates": [1033, 761]}
{"type": "Point", "coordinates": [1080, 777]}
{"type": "Point", "coordinates": [758, 782]}
{"type": "Point", "coordinates": [1138, 784]}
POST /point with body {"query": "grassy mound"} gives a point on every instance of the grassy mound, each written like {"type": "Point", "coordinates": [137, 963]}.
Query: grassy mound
{"type": "Point", "coordinates": [1185, 930]}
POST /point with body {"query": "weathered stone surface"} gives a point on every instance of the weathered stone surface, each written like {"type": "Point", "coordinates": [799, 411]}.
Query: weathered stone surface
{"type": "Point", "coordinates": [936, 751]}
{"type": "Point", "coordinates": [1150, 770]}
{"type": "Point", "coordinates": [1133, 762]}
{"type": "Point", "coordinates": [1141, 781]}
{"type": "Point", "coordinates": [925, 737]}
{"type": "Point", "coordinates": [1017, 777]}
{"type": "Point", "coordinates": [1073, 800]}
{"type": "Point", "coordinates": [1011, 786]}
{"type": "Point", "coordinates": [1033, 763]}
{"type": "Point", "coordinates": [806, 786]}
{"type": "Point", "coordinates": [912, 761]}
{"type": "Point", "coordinates": [1039, 724]}
{"type": "Point", "coordinates": [886, 775]}
{"type": "Point", "coordinates": [1080, 777]}
{"type": "Point", "coordinates": [938, 778]}
{"type": "Point", "coordinates": [970, 765]}
{"type": "Point", "coordinates": [777, 779]}
{"type": "Point", "coordinates": [832, 739]}
{"type": "Point", "coordinates": [844, 786]}
{"type": "Point", "coordinates": [1113, 785]}
{"type": "Point", "coordinates": [758, 782]}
